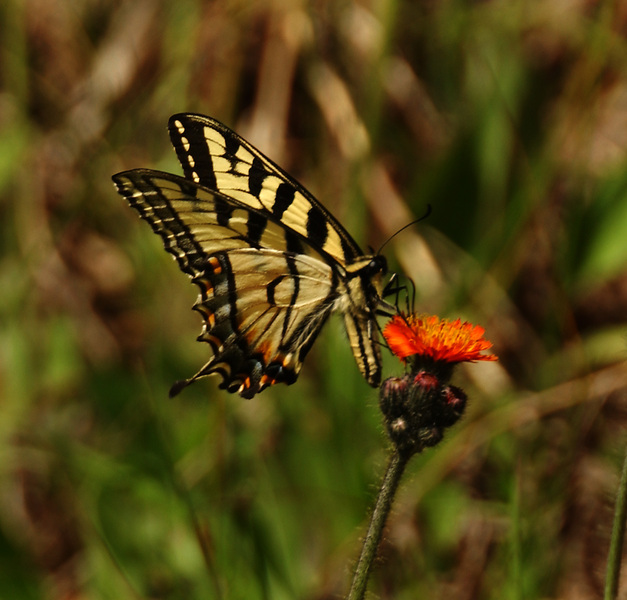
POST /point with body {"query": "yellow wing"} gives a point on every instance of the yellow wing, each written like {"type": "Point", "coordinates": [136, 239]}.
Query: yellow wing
{"type": "Point", "coordinates": [217, 158]}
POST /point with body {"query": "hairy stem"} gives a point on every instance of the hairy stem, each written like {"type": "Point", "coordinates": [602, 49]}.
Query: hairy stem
{"type": "Point", "coordinates": [389, 485]}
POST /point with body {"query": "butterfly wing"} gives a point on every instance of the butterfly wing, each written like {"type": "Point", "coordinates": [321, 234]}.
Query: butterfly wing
{"type": "Point", "coordinates": [262, 303]}
{"type": "Point", "coordinates": [219, 159]}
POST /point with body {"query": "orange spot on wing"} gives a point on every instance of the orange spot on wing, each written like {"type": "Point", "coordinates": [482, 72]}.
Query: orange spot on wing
{"type": "Point", "coordinates": [245, 385]}
{"type": "Point", "coordinates": [206, 285]}
{"type": "Point", "coordinates": [214, 263]}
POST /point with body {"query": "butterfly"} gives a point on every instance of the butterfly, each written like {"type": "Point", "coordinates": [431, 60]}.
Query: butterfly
{"type": "Point", "coordinates": [271, 262]}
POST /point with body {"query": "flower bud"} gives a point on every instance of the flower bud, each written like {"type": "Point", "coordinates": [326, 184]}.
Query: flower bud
{"type": "Point", "coordinates": [427, 381]}
{"type": "Point", "coordinates": [430, 436]}
{"type": "Point", "coordinates": [392, 395]}
{"type": "Point", "coordinates": [453, 404]}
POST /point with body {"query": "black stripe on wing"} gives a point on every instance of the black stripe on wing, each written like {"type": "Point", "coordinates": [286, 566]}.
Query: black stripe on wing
{"type": "Point", "coordinates": [153, 205]}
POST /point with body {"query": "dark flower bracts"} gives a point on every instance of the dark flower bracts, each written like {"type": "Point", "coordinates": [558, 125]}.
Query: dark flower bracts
{"type": "Point", "coordinates": [419, 406]}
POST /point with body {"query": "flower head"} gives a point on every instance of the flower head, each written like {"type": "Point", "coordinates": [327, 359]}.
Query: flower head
{"type": "Point", "coordinates": [437, 339]}
{"type": "Point", "coordinates": [418, 407]}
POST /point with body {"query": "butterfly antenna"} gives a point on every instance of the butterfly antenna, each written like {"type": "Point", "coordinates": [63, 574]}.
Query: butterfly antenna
{"type": "Point", "coordinates": [425, 216]}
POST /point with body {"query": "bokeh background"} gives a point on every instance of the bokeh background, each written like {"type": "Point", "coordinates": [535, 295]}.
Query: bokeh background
{"type": "Point", "coordinates": [508, 117]}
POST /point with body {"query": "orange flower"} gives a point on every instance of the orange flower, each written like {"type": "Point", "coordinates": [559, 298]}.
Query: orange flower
{"type": "Point", "coordinates": [438, 339]}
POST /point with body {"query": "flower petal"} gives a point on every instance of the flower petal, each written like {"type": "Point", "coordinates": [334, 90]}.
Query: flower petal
{"type": "Point", "coordinates": [439, 339]}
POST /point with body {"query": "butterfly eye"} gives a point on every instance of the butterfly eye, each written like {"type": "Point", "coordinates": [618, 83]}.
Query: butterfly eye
{"type": "Point", "coordinates": [378, 264]}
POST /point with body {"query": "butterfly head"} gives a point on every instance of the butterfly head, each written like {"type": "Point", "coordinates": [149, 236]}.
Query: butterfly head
{"type": "Point", "coordinates": [372, 274]}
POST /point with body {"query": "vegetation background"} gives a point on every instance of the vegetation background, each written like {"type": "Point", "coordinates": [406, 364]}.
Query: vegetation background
{"type": "Point", "coordinates": [508, 117]}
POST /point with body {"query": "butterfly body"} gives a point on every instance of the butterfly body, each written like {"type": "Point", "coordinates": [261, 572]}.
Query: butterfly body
{"type": "Point", "coordinates": [270, 261]}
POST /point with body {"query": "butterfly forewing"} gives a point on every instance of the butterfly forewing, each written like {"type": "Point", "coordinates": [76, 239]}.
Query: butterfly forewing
{"type": "Point", "coordinates": [271, 263]}
{"type": "Point", "coordinates": [219, 159]}
{"type": "Point", "coordinates": [195, 222]}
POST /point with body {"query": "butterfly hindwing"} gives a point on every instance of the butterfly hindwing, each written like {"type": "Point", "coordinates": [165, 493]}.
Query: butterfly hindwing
{"type": "Point", "coordinates": [271, 263]}
{"type": "Point", "coordinates": [260, 321]}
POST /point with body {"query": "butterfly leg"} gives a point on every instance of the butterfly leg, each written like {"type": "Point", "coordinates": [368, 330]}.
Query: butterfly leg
{"type": "Point", "coordinates": [393, 287]}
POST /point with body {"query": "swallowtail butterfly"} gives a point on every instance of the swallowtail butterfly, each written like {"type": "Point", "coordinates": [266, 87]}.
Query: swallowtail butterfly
{"type": "Point", "coordinates": [271, 262]}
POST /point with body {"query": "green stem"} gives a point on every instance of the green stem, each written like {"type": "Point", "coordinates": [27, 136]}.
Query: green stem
{"type": "Point", "coordinates": [618, 535]}
{"type": "Point", "coordinates": [389, 485]}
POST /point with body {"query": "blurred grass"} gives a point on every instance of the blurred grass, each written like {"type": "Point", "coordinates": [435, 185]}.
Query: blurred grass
{"type": "Point", "coordinates": [509, 118]}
